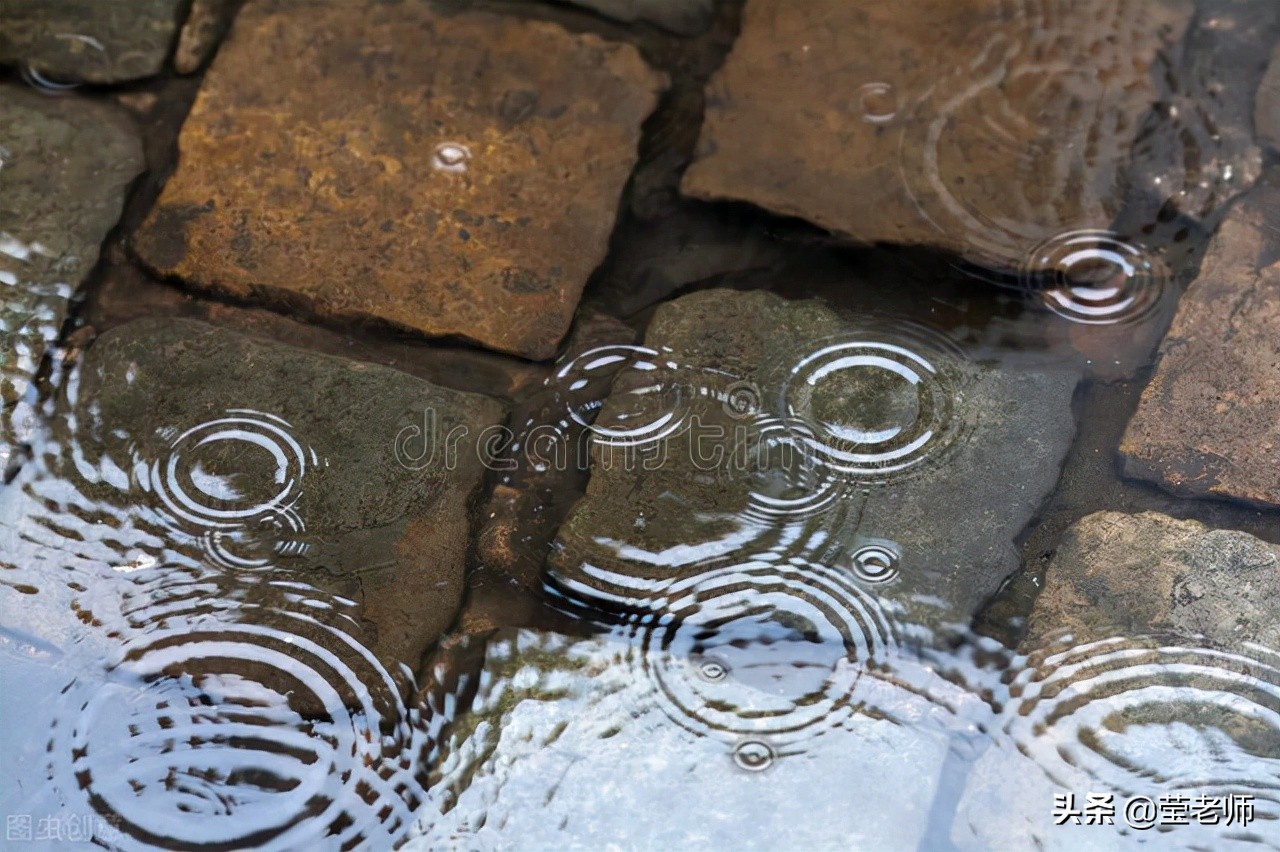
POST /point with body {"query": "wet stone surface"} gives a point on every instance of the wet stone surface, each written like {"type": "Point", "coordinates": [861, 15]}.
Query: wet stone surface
{"type": "Point", "coordinates": [188, 449]}
{"type": "Point", "coordinates": [978, 128]}
{"type": "Point", "coordinates": [453, 175]}
{"type": "Point", "coordinates": [65, 164]}
{"type": "Point", "coordinates": [759, 441]}
{"type": "Point", "coordinates": [206, 24]}
{"type": "Point", "coordinates": [1208, 424]}
{"type": "Point", "coordinates": [97, 41]}
{"type": "Point", "coordinates": [686, 17]}
{"type": "Point", "coordinates": [1150, 574]}
{"type": "Point", "coordinates": [1150, 666]}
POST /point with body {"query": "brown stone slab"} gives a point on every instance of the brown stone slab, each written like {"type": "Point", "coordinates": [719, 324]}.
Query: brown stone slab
{"type": "Point", "coordinates": [454, 175]}
{"type": "Point", "coordinates": [1209, 421]}
{"type": "Point", "coordinates": [978, 127]}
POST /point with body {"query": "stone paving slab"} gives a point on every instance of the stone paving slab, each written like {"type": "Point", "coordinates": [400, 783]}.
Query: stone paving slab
{"type": "Point", "coordinates": [206, 24]}
{"type": "Point", "coordinates": [242, 436]}
{"type": "Point", "coordinates": [680, 510]}
{"type": "Point", "coordinates": [454, 175]}
{"type": "Point", "coordinates": [1208, 424]}
{"type": "Point", "coordinates": [65, 164]}
{"type": "Point", "coordinates": [972, 126]}
{"type": "Point", "coordinates": [1152, 574]}
{"type": "Point", "coordinates": [96, 41]}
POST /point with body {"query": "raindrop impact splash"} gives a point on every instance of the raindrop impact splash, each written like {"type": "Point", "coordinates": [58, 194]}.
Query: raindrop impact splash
{"type": "Point", "coordinates": [451, 157]}
{"type": "Point", "coordinates": [45, 84]}
{"type": "Point", "coordinates": [876, 563]}
{"type": "Point", "coordinates": [877, 102]}
{"type": "Point", "coordinates": [1095, 278]}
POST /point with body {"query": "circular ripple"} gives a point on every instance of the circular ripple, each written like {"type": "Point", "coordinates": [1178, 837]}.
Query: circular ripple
{"type": "Point", "coordinates": [213, 734]}
{"type": "Point", "coordinates": [876, 562]}
{"type": "Point", "coordinates": [764, 656]}
{"type": "Point", "coordinates": [44, 83]}
{"type": "Point", "coordinates": [877, 103]}
{"type": "Point", "coordinates": [233, 483]}
{"type": "Point", "coordinates": [879, 401]}
{"type": "Point", "coordinates": [645, 403]}
{"type": "Point", "coordinates": [1094, 277]}
{"type": "Point", "coordinates": [1117, 710]}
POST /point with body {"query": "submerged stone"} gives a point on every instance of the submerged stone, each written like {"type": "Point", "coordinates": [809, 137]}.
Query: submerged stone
{"type": "Point", "coordinates": [65, 164]}
{"type": "Point", "coordinates": [686, 17]}
{"type": "Point", "coordinates": [206, 24]}
{"type": "Point", "coordinates": [1150, 574]}
{"type": "Point", "coordinates": [759, 436]}
{"type": "Point", "coordinates": [450, 174]}
{"type": "Point", "coordinates": [1208, 424]}
{"type": "Point", "coordinates": [968, 126]}
{"type": "Point", "coordinates": [97, 41]}
{"type": "Point", "coordinates": [260, 462]}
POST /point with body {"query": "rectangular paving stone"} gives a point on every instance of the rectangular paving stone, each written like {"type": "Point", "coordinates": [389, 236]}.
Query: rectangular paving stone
{"type": "Point", "coordinates": [978, 127]}
{"type": "Point", "coordinates": [97, 41]}
{"type": "Point", "coordinates": [1208, 424]}
{"type": "Point", "coordinates": [457, 175]}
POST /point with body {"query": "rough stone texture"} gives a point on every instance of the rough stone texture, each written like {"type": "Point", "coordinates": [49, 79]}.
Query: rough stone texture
{"type": "Point", "coordinates": [311, 170]}
{"type": "Point", "coordinates": [390, 535]}
{"type": "Point", "coordinates": [98, 41]}
{"type": "Point", "coordinates": [953, 520]}
{"type": "Point", "coordinates": [964, 125]}
{"type": "Point", "coordinates": [1152, 574]}
{"type": "Point", "coordinates": [686, 17]}
{"type": "Point", "coordinates": [64, 166]}
{"type": "Point", "coordinates": [1209, 421]}
{"type": "Point", "coordinates": [206, 24]}
{"type": "Point", "coordinates": [1267, 115]}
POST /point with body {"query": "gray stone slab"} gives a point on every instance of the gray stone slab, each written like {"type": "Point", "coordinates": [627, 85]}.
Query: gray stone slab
{"type": "Point", "coordinates": [188, 448]}
{"type": "Point", "coordinates": [97, 41]}
{"type": "Point", "coordinates": [65, 164]}
{"type": "Point", "coordinates": [812, 444]}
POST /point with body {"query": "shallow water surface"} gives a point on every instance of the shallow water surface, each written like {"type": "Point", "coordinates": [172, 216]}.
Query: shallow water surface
{"type": "Point", "coordinates": [828, 526]}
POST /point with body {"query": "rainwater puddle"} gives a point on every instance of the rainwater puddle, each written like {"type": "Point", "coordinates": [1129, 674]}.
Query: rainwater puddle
{"type": "Point", "coordinates": [897, 472]}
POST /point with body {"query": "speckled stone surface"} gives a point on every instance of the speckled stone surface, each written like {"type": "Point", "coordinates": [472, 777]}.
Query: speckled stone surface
{"type": "Point", "coordinates": [970, 126]}
{"type": "Point", "coordinates": [1208, 424]}
{"type": "Point", "coordinates": [454, 175]}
